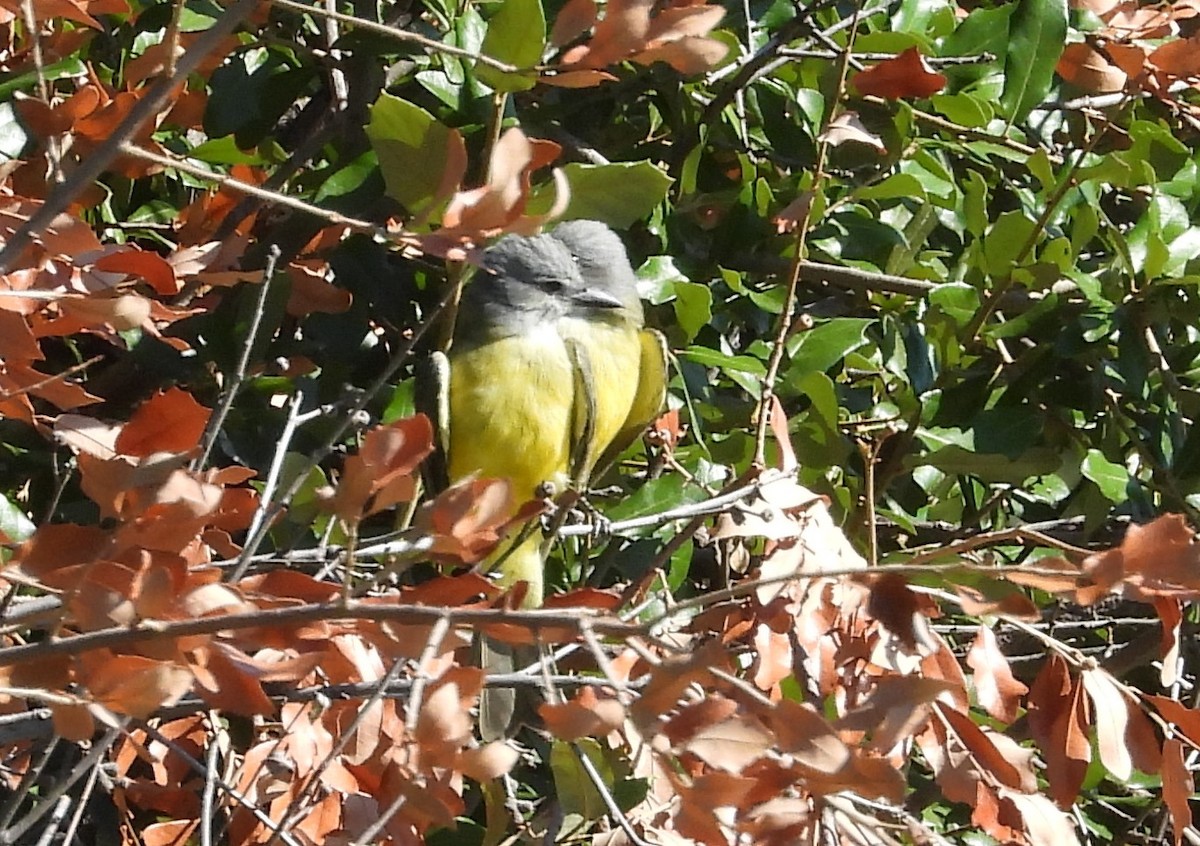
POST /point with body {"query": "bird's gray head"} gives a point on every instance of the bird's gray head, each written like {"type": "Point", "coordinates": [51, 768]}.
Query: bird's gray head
{"type": "Point", "coordinates": [602, 261]}
{"type": "Point", "coordinates": [527, 281]}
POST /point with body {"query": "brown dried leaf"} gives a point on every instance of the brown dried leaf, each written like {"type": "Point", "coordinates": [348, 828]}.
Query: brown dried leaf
{"type": "Point", "coordinates": [1178, 787]}
{"type": "Point", "coordinates": [895, 710]}
{"type": "Point", "coordinates": [1042, 823]}
{"type": "Point", "coordinates": [444, 720]}
{"type": "Point", "coordinates": [170, 421]}
{"type": "Point", "coordinates": [696, 716]}
{"type": "Point", "coordinates": [849, 128]}
{"type": "Point", "coordinates": [575, 18]}
{"type": "Point", "coordinates": [468, 519]}
{"type": "Point", "coordinates": [585, 715]}
{"type": "Point", "coordinates": [1059, 722]}
{"type": "Point", "coordinates": [999, 693]}
{"type": "Point", "coordinates": [1186, 720]}
{"type": "Point", "coordinates": [1087, 68]}
{"type": "Point", "coordinates": [773, 657]}
{"type": "Point", "coordinates": [74, 722]}
{"type": "Point", "coordinates": [732, 744]}
{"type": "Point", "coordinates": [907, 75]}
{"type": "Point", "coordinates": [1111, 713]}
{"type": "Point", "coordinates": [131, 684]}
{"type": "Point", "coordinates": [382, 473]}
{"type": "Point", "coordinates": [489, 761]}
{"type": "Point", "coordinates": [151, 267]}
{"type": "Point", "coordinates": [1012, 770]}
{"type": "Point", "coordinates": [689, 55]}
{"type": "Point", "coordinates": [809, 738]}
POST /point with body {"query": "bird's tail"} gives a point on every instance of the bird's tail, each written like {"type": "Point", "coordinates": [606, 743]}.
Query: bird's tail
{"type": "Point", "coordinates": [500, 707]}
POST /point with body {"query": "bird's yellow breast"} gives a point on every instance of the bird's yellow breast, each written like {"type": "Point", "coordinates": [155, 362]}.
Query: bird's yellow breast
{"type": "Point", "coordinates": [511, 403]}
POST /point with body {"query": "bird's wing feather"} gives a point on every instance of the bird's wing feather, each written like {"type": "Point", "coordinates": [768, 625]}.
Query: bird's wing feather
{"type": "Point", "coordinates": [432, 398]}
{"type": "Point", "coordinates": [649, 400]}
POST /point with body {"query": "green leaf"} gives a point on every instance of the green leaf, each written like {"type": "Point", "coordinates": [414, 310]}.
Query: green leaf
{"type": "Point", "coordinates": [414, 151]}
{"type": "Point", "coordinates": [956, 300]}
{"type": "Point", "coordinates": [348, 178]}
{"type": "Point", "coordinates": [618, 194]}
{"type": "Point", "coordinates": [1111, 479]}
{"type": "Point", "coordinates": [826, 344]}
{"type": "Point", "coordinates": [992, 467]}
{"type": "Point", "coordinates": [656, 279]}
{"type": "Point", "coordinates": [964, 109]}
{"type": "Point", "coordinates": [693, 307]}
{"type": "Point", "coordinates": [14, 524]}
{"type": "Point", "coordinates": [573, 787]}
{"type": "Point", "coordinates": [903, 185]}
{"type": "Point", "coordinates": [1004, 242]}
{"type": "Point", "coordinates": [712, 358]}
{"type": "Point", "coordinates": [1037, 33]}
{"type": "Point", "coordinates": [516, 35]}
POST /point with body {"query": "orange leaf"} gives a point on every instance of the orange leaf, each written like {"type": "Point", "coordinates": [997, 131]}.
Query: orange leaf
{"type": "Point", "coordinates": [131, 684]}
{"type": "Point", "coordinates": [998, 692]}
{"type": "Point", "coordinates": [382, 473]}
{"type": "Point", "coordinates": [1186, 720]}
{"type": "Point", "coordinates": [731, 745]}
{"type": "Point", "coordinates": [905, 76]}
{"type": "Point", "coordinates": [149, 266]}
{"type": "Point", "coordinates": [1058, 721]}
{"type": "Point", "coordinates": [575, 18]}
{"type": "Point", "coordinates": [1178, 787]}
{"type": "Point", "coordinates": [170, 421]}
{"type": "Point", "coordinates": [585, 715]}
{"type": "Point", "coordinates": [1089, 69]}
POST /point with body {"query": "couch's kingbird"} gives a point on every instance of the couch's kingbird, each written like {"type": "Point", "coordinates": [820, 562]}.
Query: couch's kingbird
{"type": "Point", "coordinates": [550, 372]}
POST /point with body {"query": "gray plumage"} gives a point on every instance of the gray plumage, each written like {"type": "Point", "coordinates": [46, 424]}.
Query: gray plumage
{"type": "Point", "coordinates": [602, 261]}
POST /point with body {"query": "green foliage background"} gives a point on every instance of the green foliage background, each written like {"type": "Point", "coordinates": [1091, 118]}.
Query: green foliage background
{"type": "Point", "coordinates": [1047, 369]}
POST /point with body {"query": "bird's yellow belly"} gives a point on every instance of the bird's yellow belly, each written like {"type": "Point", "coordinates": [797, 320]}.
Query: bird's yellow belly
{"type": "Point", "coordinates": [510, 411]}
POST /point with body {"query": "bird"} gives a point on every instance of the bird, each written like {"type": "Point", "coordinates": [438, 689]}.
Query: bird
{"type": "Point", "coordinates": [542, 382]}
{"type": "Point", "coordinates": [604, 265]}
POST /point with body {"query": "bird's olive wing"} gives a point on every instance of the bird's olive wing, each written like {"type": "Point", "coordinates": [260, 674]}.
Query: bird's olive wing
{"type": "Point", "coordinates": [432, 398]}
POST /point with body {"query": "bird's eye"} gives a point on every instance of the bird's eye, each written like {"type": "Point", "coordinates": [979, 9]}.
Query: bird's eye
{"type": "Point", "coordinates": [552, 283]}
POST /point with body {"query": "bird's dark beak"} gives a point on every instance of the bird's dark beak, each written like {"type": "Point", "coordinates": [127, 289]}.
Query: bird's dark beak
{"type": "Point", "coordinates": [596, 298]}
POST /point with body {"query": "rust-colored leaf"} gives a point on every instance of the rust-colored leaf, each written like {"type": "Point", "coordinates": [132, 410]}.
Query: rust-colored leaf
{"type": "Point", "coordinates": [732, 744]}
{"type": "Point", "coordinates": [585, 715]}
{"type": "Point", "coordinates": [146, 265]}
{"type": "Point", "coordinates": [170, 421]}
{"type": "Point", "coordinates": [382, 473]}
{"type": "Point", "coordinates": [1186, 720]}
{"type": "Point", "coordinates": [999, 693]}
{"type": "Point", "coordinates": [1178, 787]}
{"type": "Point", "coordinates": [1059, 722]}
{"type": "Point", "coordinates": [74, 722]}
{"type": "Point", "coordinates": [131, 684]}
{"type": "Point", "coordinates": [897, 707]}
{"type": "Point", "coordinates": [907, 75]}
{"type": "Point", "coordinates": [1087, 68]}
{"type": "Point", "coordinates": [574, 19]}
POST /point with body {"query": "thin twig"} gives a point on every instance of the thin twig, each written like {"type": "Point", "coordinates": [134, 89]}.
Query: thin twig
{"type": "Point", "coordinates": [273, 197]}
{"type": "Point", "coordinates": [238, 377]}
{"type": "Point", "coordinates": [802, 226]}
{"type": "Point", "coordinates": [350, 419]}
{"type": "Point", "coordinates": [398, 34]}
